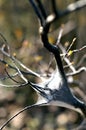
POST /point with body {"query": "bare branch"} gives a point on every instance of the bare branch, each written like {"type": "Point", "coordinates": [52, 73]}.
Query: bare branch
{"type": "Point", "coordinates": [60, 35]}
{"type": "Point", "coordinates": [11, 77]}
{"type": "Point", "coordinates": [70, 8]}
{"type": "Point", "coordinates": [54, 8]}
{"type": "Point", "coordinates": [77, 71]}
{"type": "Point", "coordinates": [44, 30]}
{"type": "Point", "coordinates": [75, 6]}
{"type": "Point", "coordinates": [50, 91]}
{"type": "Point", "coordinates": [43, 12]}
{"type": "Point", "coordinates": [66, 59]}
{"type": "Point", "coordinates": [24, 109]}
{"type": "Point", "coordinates": [29, 71]}
{"type": "Point", "coordinates": [36, 10]}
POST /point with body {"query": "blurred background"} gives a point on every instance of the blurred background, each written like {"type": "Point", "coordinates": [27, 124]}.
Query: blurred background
{"type": "Point", "coordinates": [19, 25]}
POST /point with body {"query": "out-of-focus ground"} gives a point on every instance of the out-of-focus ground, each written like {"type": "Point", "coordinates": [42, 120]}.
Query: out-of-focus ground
{"type": "Point", "coordinates": [19, 25]}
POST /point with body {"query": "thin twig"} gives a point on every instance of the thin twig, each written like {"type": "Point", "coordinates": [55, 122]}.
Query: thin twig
{"type": "Point", "coordinates": [43, 12]}
{"type": "Point", "coordinates": [24, 109]}
{"type": "Point", "coordinates": [82, 69]}
{"type": "Point", "coordinates": [11, 77]}
{"type": "Point", "coordinates": [21, 64]}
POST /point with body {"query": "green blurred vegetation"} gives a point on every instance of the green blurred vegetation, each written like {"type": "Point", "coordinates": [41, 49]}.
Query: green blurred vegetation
{"type": "Point", "coordinates": [19, 25]}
